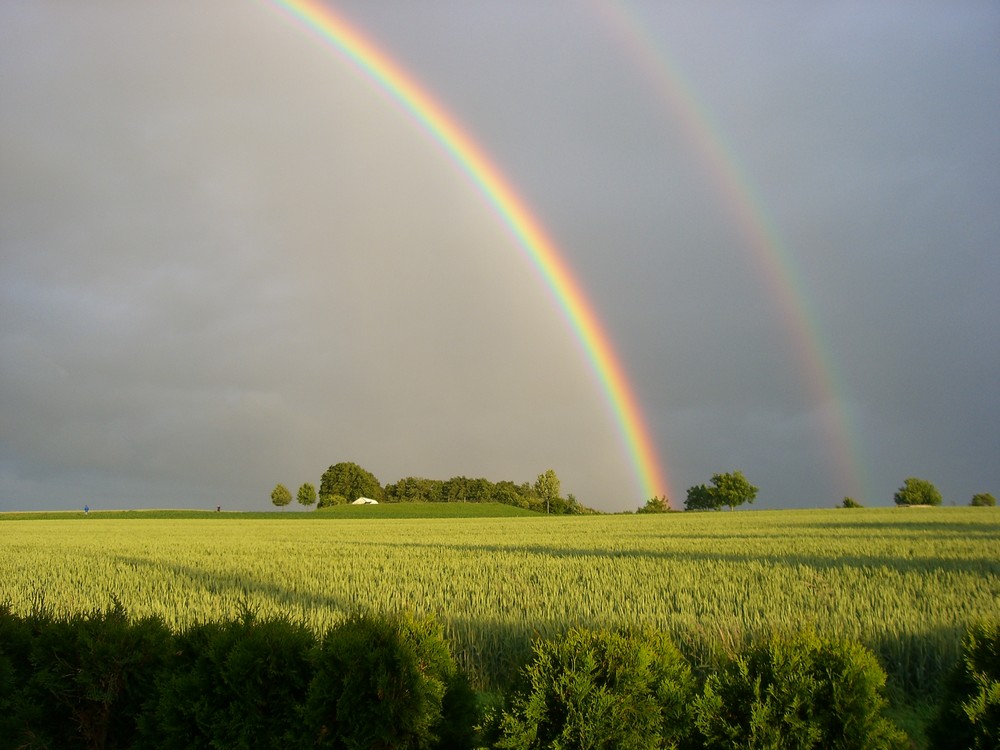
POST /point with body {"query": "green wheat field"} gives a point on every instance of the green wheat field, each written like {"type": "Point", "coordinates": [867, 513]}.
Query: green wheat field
{"type": "Point", "coordinates": [904, 581]}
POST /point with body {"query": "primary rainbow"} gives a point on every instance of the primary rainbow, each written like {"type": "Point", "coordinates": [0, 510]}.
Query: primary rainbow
{"type": "Point", "coordinates": [530, 236]}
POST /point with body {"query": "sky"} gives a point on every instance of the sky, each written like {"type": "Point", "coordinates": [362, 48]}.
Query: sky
{"type": "Point", "coordinates": [229, 258]}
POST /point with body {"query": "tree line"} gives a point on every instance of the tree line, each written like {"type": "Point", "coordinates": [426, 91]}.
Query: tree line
{"type": "Point", "coordinates": [346, 481]}
{"type": "Point", "coordinates": [732, 489]}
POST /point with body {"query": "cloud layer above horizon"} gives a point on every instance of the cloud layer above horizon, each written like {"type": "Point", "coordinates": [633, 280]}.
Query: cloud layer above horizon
{"type": "Point", "coordinates": [228, 260]}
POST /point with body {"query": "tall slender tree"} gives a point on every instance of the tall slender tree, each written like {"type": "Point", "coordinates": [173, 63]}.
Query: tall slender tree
{"type": "Point", "coordinates": [307, 495]}
{"type": "Point", "coordinates": [547, 488]}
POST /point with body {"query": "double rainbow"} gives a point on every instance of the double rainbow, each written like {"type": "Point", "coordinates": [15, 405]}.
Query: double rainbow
{"type": "Point", "coordinates": [531, 238]}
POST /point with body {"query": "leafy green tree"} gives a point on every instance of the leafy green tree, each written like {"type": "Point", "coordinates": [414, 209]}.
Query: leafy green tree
{"type": "Point", "coordinates": [280, 496]}
{"type": "Point", "coordinates": [917, 492]}
{"type": "Point", "coordinates": [351, 481]}
{"type": "Point", "coordinates": [731, 488]}
{"type": "Point", "coordinates": [307, 495]}
{"type": "Point", "coordinates": [547, 488]}
{"type": "Point", "coordinates": [850, 502]}
{"type": "Point", "coordinates": [701, 497]}
{"type": "Point", "coordinates": [983, 500]}
{"type": "Point", "coordinates": [655, 504]}
{"type": "Point", "coordinates": [508, 493]}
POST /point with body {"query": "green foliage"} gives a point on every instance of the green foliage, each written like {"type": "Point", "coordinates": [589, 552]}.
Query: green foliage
{"type": "Point", "coordinates": [425, 510]}
{"type": "Point", "coordinates": [729, 489]}
{"type": "Point", "coordinates": [235, 684]}
{"type": "Point", "coordinates": [547, 488]}
{"type": "Point", "coordinates": [700, 497]}
{"type": "Point", "coordinates": [307, 495]}
{"type": "Point", "coordinates": [382, 682]}
{"type": "Point", "coordinates": [350, 481]}
{"type": "Point", "coordinates": [917, 492]}
{"type": "Point", "coordinates": [983, 500]}
{"type": "Point", "coordinates": [329, 501]}
{"type": "Point", "coordinates": [850, 502]}
{"type": "Point", "coordinates": [466, 490]}
{"type": "Point", "coordinates": [797, 692]}
{"type": "Point", "coordinates": [280, 496]}
{"type": "Point", "coordinates": [601, 690]}
{"type": "Point", "coordinates": [655, 504]}
{"type": "Point", "coordinates": [89, 677]}
{"type": "Point", "coordinates": [970, 710]}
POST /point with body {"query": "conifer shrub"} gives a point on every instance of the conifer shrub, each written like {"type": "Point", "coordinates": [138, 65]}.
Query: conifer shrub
{"type": "Point", "coordinates": [611, 690]}
{"type": "Point", "coordinates": [386, 682]}
{"type": "Point", "coordinates": [90, 676]}
{"type": "Point", "coordinates": [798, 692]}
{"type": "Point", "coordinates": [235, 684]}
{"type": "Point", "coordinates": [17, 711]}
{"type": "Point", "coordinates": [969, 716]}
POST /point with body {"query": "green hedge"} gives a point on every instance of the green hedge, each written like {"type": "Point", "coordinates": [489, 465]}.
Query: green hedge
{"type": "Point", "coordinates": [103, 680]}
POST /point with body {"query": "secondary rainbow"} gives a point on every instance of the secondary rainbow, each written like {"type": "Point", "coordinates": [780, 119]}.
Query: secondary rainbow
{"type": "Point", "coordinates": [774, 262]}
{"type": "Point", "coordinates": [531, 238]}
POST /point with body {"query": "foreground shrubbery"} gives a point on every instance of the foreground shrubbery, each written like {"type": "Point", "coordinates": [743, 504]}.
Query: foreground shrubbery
{"type": "Point", "coordinates": [600, 690]}
{"type": "Point", "coordinates": [970, 711]}
{"type": "Point", "coordinates": [103, 680]}
{"type": "Point", "coordinates": [99, 681]}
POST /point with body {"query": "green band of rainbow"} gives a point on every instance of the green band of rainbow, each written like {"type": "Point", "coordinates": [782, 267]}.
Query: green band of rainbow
{"type": "Point", "coordinates": [530, 236]}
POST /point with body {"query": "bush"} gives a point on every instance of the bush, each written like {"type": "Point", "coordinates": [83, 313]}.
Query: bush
{"type": "Point", "coordinates": [601, 690]}
{"type": "Point", "coordinates": [384, 682]}
{"type": "Point", "coordinates": [798, 692]}
{"type": "Point", "coordinates": [970, 707]}
{"type": "Point", "coordinates": [90, 676]}
{"type": "Point", "coordinates": [238, 684]}
{"type": "Point", "coordinates": [983, 500]}
{"type": "Point", "coordinates": [17, 711]}
{"type": "Point", "coordinates": [917, 492]}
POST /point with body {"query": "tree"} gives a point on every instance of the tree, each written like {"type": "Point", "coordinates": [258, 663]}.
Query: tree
{"type": "Point", "coordinates": [307, 495]}
{"type": "Point", "coordinates": [349, 480]}
{"type": "Point", "coordinates": [733, 489]}
{"type": "Point", "coordinates": [730, 489]}
{"type": "Point", "coordinates": [850, 502]}
{"type": "Point", "coordinates": [655, 504]}
{"type": "Point", "coordinates": [280, 496]}
{"type": "Point", "coordinates": [547, 488]}
{"type": "Point", "coordinates": [701, 497]}
{"type": "Point", "coordinates": [983, 500]}
{"type": "Point", "coordinates": [917, 492]}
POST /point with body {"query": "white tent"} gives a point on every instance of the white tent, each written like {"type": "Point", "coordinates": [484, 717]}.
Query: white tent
{"type": "Point", "coordinates": [365, 501]}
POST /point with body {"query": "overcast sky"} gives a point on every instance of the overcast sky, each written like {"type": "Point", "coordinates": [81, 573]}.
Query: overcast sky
{"type": "Point", "coordinates": [229, 260]}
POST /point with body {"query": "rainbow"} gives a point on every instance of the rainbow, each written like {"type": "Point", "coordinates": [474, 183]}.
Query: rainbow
{"type": "Point", "coordinates": [775, 264]}
{"type": "Point", "coordinates": [351, 44]}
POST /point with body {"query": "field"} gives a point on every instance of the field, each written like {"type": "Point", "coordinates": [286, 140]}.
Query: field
{"type": "Point", "coordinates": [905, 582]}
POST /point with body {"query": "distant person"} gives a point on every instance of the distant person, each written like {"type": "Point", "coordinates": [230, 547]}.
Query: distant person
{"type": "Point", "coordinates": [218, 508]}
{"type": "Point", "coordinates": [86, 510]}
